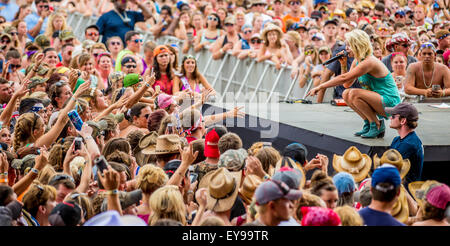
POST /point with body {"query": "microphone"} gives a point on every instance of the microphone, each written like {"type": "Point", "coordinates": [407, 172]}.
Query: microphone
{"type": "Point", "coordinates": [335, 58]}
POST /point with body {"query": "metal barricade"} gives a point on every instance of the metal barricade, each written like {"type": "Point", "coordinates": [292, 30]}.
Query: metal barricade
{"type": "Point", "coordinates": [230, 74]}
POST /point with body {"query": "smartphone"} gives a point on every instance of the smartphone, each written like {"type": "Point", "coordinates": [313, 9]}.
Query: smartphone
{"type": "Point", "coordinates": [190, 36]}
{"type": "Point", "coordinates": [77, 143]}
{"type": "Point", "coordinates": [170, 128]}
{"type": "Point", "coordinates": [1, 67]}
{"type": "Point", "coordinates": [435, 87]}
{"type": "Point", "coordinates": [193, 177]}
{"type": "Point", "coordinates": [101, 163]}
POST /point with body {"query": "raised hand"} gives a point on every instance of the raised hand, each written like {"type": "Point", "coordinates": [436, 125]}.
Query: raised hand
{"type": "Point", "coordinates": [236, 113]}
{"type": "Point", "coordinates": [110, 179]}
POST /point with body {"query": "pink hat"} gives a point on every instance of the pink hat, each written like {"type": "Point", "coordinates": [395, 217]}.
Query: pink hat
{"type": "Point", "coordinates": [446, 56]}
{"type": "Point", "coordinates": [397, 38]}
{"type": "Point", "coordinates": [439, 196]}
{"type": "Point", "coordinates": [318, 216]}
{"type": "Point", "coordinates": [164, 101]}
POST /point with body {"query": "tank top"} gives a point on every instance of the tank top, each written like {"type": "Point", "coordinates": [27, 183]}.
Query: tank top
{"type": "Point", "coordinates": [165, 84]}
{"type": "Point", "coordinates": [225, 40]}
{"type": "Point", "coordinates": [211, 40]}
{"type": "Point", "coordinates": [186, 85]}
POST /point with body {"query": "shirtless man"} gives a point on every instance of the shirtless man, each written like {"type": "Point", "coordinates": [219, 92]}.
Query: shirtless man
{"type": "Point", "coordinates": [138, 117]}
{"type": "Point", "coordinates": [422, 75]}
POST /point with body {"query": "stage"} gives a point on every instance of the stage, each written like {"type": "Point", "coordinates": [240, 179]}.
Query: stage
{"type": "Point", "coordinates": [328, 129]}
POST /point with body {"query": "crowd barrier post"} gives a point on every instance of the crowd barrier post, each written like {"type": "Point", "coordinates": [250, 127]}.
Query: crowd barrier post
{"type": "Point", "coordinates": [231, 76]}
{"type": "Point", "coordinates": [261, 78]}
{"type": "Point", "coordinates": [293, 82]}
{"type": "Point", "coordinates": [275, 84]}
{"type": "Point", "coordinates": [244, 81]}
{"type": "Point", "coordinates": [219, 71]}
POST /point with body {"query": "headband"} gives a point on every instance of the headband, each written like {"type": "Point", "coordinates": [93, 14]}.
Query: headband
{"type": "Point", "coordinates": [427, 45]}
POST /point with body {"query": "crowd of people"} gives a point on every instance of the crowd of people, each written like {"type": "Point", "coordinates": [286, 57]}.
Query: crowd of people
{"type": "Point", "coordinates": [110, 131]}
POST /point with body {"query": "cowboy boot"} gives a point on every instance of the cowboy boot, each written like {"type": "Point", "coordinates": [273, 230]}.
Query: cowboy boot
{"type": "Point", "coordinates": [365, 129]}
{"type": "Point", "coordinates": [374, 132]}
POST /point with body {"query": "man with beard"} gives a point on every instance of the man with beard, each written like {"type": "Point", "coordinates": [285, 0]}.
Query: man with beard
{"type": "Point", "coordinates": [117, 22]}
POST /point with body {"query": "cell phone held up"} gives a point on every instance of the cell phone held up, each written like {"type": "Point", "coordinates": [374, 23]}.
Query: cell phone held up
{"type": "Point", "coordinates": [76, 119]}
{"type": "Point", "coordinates": [101, 163]}
{"type": "Point", "coordinates": [77, 143]}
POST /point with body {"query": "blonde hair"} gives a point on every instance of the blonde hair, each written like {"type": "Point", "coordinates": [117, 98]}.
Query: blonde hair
{"type": "Point", "coordinates": [167, 203]}
{"type": "Point", "coordinates": [296, 36]}
{"type": "Point", "coordinates": [38, 195]}
{"type": "Point", "coordinates": [269, 157]}
{"type": "Point", "coordinates": [212, 221]}
{"type": "Point", "coordinates": [24, 129]}
{"type": "Point", "coordinates": [83, 201]}
{"type": "Point", "coordinates": [349, 216]}
{"type": "Point", "coordinates": [46, 174]}
{"type": "Point", "coordinates": [150, 178]}
{"type": "Point", "coordinates": [359, 43]}
{"type": "Point", "coordinates": [50, 28]}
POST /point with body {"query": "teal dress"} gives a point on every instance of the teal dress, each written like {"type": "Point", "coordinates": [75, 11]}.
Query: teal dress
{"type": "Point", "coordinates": [386, 87]}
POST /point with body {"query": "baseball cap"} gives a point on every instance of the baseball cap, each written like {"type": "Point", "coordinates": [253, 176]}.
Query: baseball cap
{"type": "Point", "coordinates": [246, 26]}
{"type": "Point", "coordinates": [273, 190]}
{"type": "Point", "coordinates": [405, 110]}
{"type": "Point", "coordinates": [400, 12]}
{"type": "Point", "coordinates": [386, 174]}
{"type": "Point", "coordinates": [316, 15]}
{"type": "Point", "coordinates": [180, 4]}
{"type": "Point", "coordinates": [321, 1]}
{"type": "Point", "coordinates": [132, 78]}
{"type": "Point", "coordinates": [127, 59]}
{"type": "Point", "coordinates": [291, 177]}
{"type": "Point", "coordinates": [318, 36]}
{"type": "Point", "coordinates": [318, 216]}
{"type": "Point", "coordinates": [41, 40]}
{"type": "Point", "coordinates": [439, 196]}
{"type": "Point", "coordinates": [171, 167]}
{"type": "Point", "coordinates": [98, 127]}
{"type": "Point", "coordinates": [36, 81]}
{"type": "Point", "coordinates": [113, 218]}
{"type": "Point", "coordinates": [164, 100]}
{"type": "Point", "coordinates": [65, 214]}
{"type": "Point", "coordinates": [160, 49]}
{"type": "Point", "coordinates": [296, 151]}
{"type": "Point", "coordinates": [25, 164]}
{"type": "Point", "coordinates": [211, 144]}
{"type": "Point", "coordinates": [344, 182]}
{"type": "Point", "coordinates": [230, 20]}
{"type": "Point", "coordinates": [332, 21]}
{"type": "Point", "coordinates": [233, 160]}
{"type": "Point", "coordinates": [67, 34]}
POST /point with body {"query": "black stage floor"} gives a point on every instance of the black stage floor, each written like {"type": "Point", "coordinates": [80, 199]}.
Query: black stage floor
{"type": "Point", "coordinates": [329, 129]}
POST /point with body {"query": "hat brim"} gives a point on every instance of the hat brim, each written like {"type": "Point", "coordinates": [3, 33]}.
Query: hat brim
{"type": "Point", "coordinates": [131, 198]}
{"type": "Point", "coordinates": [293, 194]}
{"type": "Point", "coordinates": [149, 150]}
{"type": "Point", "coordinates": [162, 152]}
{"type": "Point", "coordinates": [358, 177]}
{"type": "Point", "coordinates": [406, 166]}
{"type": "Point", "coordinates": [225, 204]}
{"type": "Point", "coordinates": [400, 211]}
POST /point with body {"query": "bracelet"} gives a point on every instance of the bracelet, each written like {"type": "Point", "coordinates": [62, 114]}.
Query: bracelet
{"type": "Point", "coordinates": [88, 137]}
{"type": "Point", "coordinates": [34, 170]}
{"type": "Point", "coordinates": [443, 93]}
{"type": "Point", "coordinates": [5, 173]}
{"type": "Point", "coordinates": [112, 192]}
{"type": "Point", "coordinates": [190, 192]}
{"type": "Point", "coordinates": [266, 177]}
{"type": "Point", "coordinates": [147, 84]}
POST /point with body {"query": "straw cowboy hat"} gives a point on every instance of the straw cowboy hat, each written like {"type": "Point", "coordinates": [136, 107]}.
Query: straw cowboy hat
{"type": "Point", "coordinates": [419, 189]}
{"type": "Point", "coordinates": [148, 143]}
{"type": "Point", "coordinates": [288, 162]}
{"type": "Point", "coordinates": [222, 190]}
{"type": "Point", "coordinates": [166, 144]}
{"type": "Point", "coordinates": [271, 27]}
{"type": "Point", "coordinates": [400, 211]}
{"type": "Point", "coordinates": [251, 182]}
{"type": "Point", "coordinates": [353, 162]}
{"type": "Point", "coordinates": [393, 157]}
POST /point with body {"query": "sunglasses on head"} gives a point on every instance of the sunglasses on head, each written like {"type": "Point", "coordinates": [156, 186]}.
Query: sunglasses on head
{"type": "Point", "coordinates": [138, 40]}
{"type": "Point", "coordinates": [60, 177]}
{"type": "Point", "coordinates": [130, 66]}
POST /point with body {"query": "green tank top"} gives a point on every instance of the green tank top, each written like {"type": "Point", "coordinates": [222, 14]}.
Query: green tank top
{"type": "Point", "coordinates": [386, 87]}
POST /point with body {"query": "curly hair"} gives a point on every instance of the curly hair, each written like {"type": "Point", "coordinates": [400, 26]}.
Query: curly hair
{"type": "Point", "coordinates": [150, 178]}
{"type": "Point", "coordinates": [120, 157]}
{"type": "Point", "coordinates": [58, 152]}
{"type": "Point", "coordinates": [167, 203]}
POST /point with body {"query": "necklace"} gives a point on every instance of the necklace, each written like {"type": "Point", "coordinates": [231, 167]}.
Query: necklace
{"type": "Point", "coordinates": [423, 76]}
{"type": "Point", "coordinates": [126, 19]}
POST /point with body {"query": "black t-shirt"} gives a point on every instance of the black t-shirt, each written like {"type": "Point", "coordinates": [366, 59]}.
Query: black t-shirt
{"type": "Point", "coordinates": [238, 208]}
{"type": "Point", "coordinates": [335, 67]}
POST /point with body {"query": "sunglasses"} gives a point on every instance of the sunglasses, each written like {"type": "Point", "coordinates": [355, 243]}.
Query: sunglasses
{"type": "Point", "coordinates": [248, 31]}
{"type": "Point", "coordinates": [427, 45]}
{"type": "Point", "coordinates": [444, 36]}
{"type": "Point", "coordinates": [259, 4]}
{"type": "Point", "coordinates": [229, 24]}
{"type": "Point", "coordinates": [115, 43]}
{"type": "Point", "coordinates": [399, 16]}
{"type": "Point", "coordinates": [15, 66]}
{"type": "Point", "coordinates": [294, 3]}
{"type": "Point", "coordinates": [95, 55]}
{"type": "Point", "coordinates": [405, 45]}
{"type": "Point", "coordinates": [377, 15]}
{"type": "Point", "coordinates": [212, 18]}
{"type": "Point", "coordinates": [6, 41]}
{"type": "Point", "coordinates": [256, 41]}
{"type": "Point", "coordinates": [14, 33]}
{"type": "Point", "coordinates": [138, 40]}
{"type": "Point", "coordinates": [308, 52]}
{"type": "Point", "coordinates": [130, 66]}
{"type": "Point", "coordinates": [92, 34]}
{"type": "Point", "coordinates": [146, 115]}
{"type": "Point", "coordinates": [345, 29]}
{"type": "Point", "coordinates": [394, 116]}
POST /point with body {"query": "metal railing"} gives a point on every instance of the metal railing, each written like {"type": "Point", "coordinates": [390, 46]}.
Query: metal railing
{"type": "Point", "coordinates": [246, 78]}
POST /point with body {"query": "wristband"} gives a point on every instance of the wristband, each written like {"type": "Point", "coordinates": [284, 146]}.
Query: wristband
{"type": "Point", "coordinates": [34, 170]}
{"type": "Point", "coordinates": [147, 84]}
{"type": "Point", "coordinates": [88, 137]}
{"type": "Point", "coordinates": [112, 192]}
{"type": "Point", "coordinates": [266, 177]}
{"type": "Point", "coordinates": [5, 173]}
